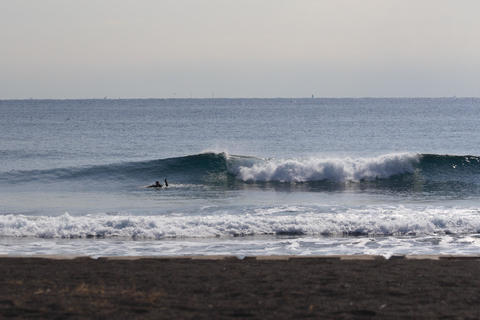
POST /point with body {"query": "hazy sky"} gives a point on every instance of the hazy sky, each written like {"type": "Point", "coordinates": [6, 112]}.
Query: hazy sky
{"type": "Point", "coordinates": [239, 48]}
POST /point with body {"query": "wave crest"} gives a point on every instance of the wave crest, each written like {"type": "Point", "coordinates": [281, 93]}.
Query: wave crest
{"type": "Point", "coordinates": [337, 170]}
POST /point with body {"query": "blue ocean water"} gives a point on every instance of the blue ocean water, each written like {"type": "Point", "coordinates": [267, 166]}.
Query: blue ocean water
{"type": "Point", "coordinates": [246, 176]}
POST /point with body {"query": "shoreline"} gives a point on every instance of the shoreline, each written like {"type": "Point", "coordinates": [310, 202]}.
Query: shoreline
{"type": "Point", "coordinates": [254, 257]}
{"type": "Point", "coordinates": [339, 286]}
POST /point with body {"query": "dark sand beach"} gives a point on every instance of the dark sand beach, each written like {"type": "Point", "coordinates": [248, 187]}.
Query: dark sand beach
{"type": "Point", "coordinates": [264, 287]}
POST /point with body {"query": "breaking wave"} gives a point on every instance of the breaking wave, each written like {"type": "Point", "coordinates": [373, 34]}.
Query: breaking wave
{"type": "Point", "coordinates": [371, 221]}
{"type": "Point", "coordinates": [337, 170]}
{"type": "Point", "coordinates": [214, 168]}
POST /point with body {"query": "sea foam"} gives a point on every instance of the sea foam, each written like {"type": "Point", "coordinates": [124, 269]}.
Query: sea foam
{"type": "Point", "coordinates": [337, 221]}
{"type": "Point", "coordinates": [338, 170]}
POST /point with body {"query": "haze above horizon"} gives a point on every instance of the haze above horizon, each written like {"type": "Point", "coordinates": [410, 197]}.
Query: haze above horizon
{"type": "Point", "coordinates": [226, 48]}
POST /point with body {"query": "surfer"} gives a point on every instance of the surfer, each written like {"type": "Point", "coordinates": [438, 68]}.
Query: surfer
{"type": "Point", "coordinates": [166, 183]}
{"type": "Point", "coordinates": [156, 185]}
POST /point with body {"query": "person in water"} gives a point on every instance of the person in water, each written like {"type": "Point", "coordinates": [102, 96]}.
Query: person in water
{"type": "Point", "coordinates": [156, 185]}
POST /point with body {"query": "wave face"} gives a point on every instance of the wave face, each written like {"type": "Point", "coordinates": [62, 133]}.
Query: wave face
{"type": "Point", "coordinates": [185, 169]}
{"type": "Point", "coordinates": [294, 221]}
{"type": "Point", "coordinates": [232, 170]}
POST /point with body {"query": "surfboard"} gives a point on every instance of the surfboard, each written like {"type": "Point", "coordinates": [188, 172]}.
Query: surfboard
{"type": "Point", "coordinates": [153, 186]}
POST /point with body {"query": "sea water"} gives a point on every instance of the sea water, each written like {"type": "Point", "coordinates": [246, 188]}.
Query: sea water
{"type": "Point", "coordinates": [246, 176]}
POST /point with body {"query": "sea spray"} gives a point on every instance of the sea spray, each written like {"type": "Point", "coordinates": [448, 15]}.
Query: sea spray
{"type": "Point", "coordinates": [337, 170]}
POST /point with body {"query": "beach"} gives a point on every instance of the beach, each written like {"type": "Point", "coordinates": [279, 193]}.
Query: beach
{"type": "Point", "coordinates": [345, 287]}
{"type": "Point", "coordinates": [239, 159]}
{"type": "Point", "coordinates": [255, 223]}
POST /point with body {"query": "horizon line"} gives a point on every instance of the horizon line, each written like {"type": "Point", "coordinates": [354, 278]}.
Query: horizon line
{"type": "Point", "coordinates": [246, 98]}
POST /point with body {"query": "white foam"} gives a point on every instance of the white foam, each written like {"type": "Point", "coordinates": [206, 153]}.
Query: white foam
{"type": "Point", "coordinates": [315, 221]}
{"type": "Point", "coordinates": [318, 169]}
{"type": "Point", "coordinates": [241, 247]}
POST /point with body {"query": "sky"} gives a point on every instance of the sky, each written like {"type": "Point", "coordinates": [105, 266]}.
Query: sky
{"type": "Point", "coordinates": [239, 48]}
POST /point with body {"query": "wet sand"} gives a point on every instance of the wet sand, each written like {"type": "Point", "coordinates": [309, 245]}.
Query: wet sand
{"type": "Point", "coordinates": [274, 287]}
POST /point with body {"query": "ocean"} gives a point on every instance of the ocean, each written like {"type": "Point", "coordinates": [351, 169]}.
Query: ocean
{"type": "Point", "coordinates": [385, 176]}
